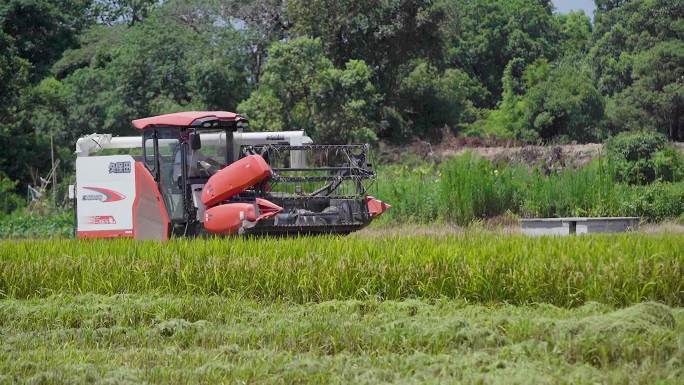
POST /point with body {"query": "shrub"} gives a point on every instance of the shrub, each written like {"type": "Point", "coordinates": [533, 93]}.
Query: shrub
{"type": "Point", "coordinates": [641, 157]}
{"type": "Point", "coordinates": [21, 224]}
{"type": "Point", "coordinates": [9, 201]}
{"type": "Point", "coordinates": [669, 164]}
{"type": "Point", "coordinates": [656, 201]}
{"type": "Point", "coordinates": [635, 145]}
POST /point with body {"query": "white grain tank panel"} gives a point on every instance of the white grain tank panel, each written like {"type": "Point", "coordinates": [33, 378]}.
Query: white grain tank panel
{"type": "Point", "coordinates": [105, 192]}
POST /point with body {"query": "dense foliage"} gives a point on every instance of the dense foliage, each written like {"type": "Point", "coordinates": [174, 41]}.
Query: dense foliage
{"type": "Point", "coordinates": [341, 70]}
{"type": "Point", "coordinates": [644, 157]}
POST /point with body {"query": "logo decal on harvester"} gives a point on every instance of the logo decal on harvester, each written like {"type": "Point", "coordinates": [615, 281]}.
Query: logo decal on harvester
{"type": "Point", "coordinates": [105, 195]}
{"type": "Point", "coordinates": [120, 167]}
{"type": "Point", "coordinates": [101, 220]}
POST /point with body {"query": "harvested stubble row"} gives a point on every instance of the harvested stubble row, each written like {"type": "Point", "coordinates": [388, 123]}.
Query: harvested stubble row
{"type": "Point", "coordinates": [475, 267]}
{"type": "Point", "coordinates": [148, 339]}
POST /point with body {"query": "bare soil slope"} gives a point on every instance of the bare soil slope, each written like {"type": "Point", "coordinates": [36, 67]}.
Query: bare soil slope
{"type": "Point", "coordinates": [566, 155]}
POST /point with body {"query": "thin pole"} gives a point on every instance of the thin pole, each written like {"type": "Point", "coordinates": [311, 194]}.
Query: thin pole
{"type": "Point", "coordinates": [54, 171]}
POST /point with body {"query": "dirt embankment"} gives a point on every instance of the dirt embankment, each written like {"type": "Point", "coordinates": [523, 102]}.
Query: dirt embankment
{"type": "Point", "coordinates": [570, 155]}
{"type": "Point", "coordinates": [566, 155]}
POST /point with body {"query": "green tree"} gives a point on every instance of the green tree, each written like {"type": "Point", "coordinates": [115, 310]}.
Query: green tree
{"type": "Point", "coordinates": [637, 61]}
{"type": "Point", "coordinates": [18, 144]}
{"type": "Point", "coordinates": [627, 27]}
{"type": "Point", "coordinates": [122, 11]}
{"type": "Point", "coordinates": [265, 22]}
{"type": "Point", "coordinates": [346, 105]}
{"type": "Point", "coordinates": [219, 83]}
{"type": "Point", "coordinates": [43, 29]}
{"type": "Point", "coordinates": [13, 76]}
{"type": "Point", "coordinates": [291, 73]}
{"type": "Point", "coordinates": [384, 34]}
{"type": "Point", "coordinates": [655, 100]}
{"type": "Point", "coordinates": [301, 89]}
{"type": "Point", "coordinates": [432, 101]}
{"type": "Point", "coordinates": [482, 36]}
{"type": "Point", "coordinates": [607, 5]}
{"type": "Point", "coordinates": [265, 110]}
{"type": "Point", "coordinates": [549, 101]}
{"type": "Point", "coordinates": [159, 66]}
{"type": "Point", "coordinates": [575, 29]}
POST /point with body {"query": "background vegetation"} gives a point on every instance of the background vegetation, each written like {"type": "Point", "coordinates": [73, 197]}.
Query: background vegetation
{"type": "Point", "coordinates": [468, 188]}
{"type": "Point", "coordinates": [341, 70]}
{"type": "Point", "coordinates": [641, 175]}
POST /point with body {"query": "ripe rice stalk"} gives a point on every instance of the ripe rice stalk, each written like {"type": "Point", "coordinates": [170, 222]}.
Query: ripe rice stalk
{"type": "Point", "coordinates": [476, 267]}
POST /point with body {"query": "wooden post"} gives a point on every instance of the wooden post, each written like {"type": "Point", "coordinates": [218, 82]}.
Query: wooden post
{"type": "Point", "coordinates": [54, 171]}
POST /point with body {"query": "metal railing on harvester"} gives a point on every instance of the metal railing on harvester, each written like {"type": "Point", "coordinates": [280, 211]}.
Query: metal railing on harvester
{"type": "Point", "coordinates": [307, 171]}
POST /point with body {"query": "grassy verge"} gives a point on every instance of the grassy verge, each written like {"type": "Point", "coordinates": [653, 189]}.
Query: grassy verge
{"type": "Point", "coordinates": [126, 339]}
{"type": "Point", "coordinates": [475, 267]}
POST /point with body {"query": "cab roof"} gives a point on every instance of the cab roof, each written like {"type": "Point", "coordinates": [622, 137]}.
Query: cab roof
{"type": "Point", "coordinates": [187, 119]}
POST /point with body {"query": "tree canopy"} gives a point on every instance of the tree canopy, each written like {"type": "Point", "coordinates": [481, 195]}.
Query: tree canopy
{"type": "Point", "coordinates": [342, 71]}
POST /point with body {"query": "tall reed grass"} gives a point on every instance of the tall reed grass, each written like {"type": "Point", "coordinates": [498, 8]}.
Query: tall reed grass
{"type": "Point", "coordinates": [475, 267]}
{"type": "Point", "coordinates": [467, 188]}
{"type": "Point", "coordinates": [472, 188]}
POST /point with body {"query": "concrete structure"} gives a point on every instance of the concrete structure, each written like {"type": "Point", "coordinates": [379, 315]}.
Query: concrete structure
{"type": "Point", "coordinates": [578, 225]}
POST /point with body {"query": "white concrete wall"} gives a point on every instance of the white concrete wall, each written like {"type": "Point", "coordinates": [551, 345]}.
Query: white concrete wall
{"type": "Point", "coordinates": [583, 225]}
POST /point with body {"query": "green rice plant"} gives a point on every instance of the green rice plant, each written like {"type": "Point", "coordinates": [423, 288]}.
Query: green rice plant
{"type": "Point", "coordinates": [475, 267]}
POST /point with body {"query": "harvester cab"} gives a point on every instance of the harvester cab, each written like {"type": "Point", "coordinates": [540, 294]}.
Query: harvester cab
{"type": "Point", "coordinates": [197, 172]}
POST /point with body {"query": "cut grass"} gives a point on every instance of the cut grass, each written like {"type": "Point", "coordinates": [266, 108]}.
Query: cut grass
{"type": "Point", "coordinates": [194, 339]}
{"type": "Point", "coordinates": [474, 267]}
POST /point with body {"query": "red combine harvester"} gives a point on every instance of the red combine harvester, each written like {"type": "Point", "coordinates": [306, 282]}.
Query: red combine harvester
{"type": "Point", "coordinates": [195, 173]}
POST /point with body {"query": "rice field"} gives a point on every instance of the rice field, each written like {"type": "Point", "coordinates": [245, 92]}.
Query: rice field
{"type": "Point", "coordinates": [475, 307]}
{"type": "Point", "coordinates": [475, 267]}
